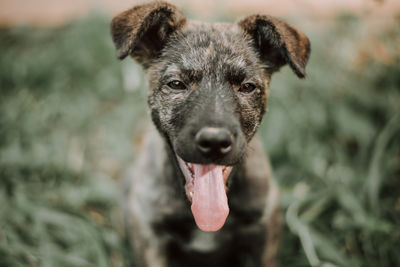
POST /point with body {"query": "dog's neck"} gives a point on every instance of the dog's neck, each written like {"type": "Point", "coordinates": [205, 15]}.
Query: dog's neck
{"type": "Point", "coordinates": [172, 170]}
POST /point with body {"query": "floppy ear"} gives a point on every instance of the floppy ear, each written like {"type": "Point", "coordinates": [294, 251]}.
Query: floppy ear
{"type": "Point", "coordinates": [143, 30]}
{"type": "Point", "coordinates": [278, 42]}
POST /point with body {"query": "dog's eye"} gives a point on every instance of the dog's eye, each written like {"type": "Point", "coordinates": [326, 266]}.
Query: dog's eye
{"type": "Point", "coordinates": [247, 88]}
{"type": "Point", "coordinates": [177, 85]}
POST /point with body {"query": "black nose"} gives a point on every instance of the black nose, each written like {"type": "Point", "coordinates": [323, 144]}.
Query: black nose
{"type": "Point", "coordinates": [214, 141]}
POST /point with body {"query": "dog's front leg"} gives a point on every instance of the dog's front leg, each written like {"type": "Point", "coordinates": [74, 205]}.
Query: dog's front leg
{"type": "Point", "coordinates": [149, 249]}
{"type": "Point", "coordinates": [272, 243]}
{"type": "Point", "coordinates": [154, 255]}
{"type": "Point", "coordinates": [264, 195]}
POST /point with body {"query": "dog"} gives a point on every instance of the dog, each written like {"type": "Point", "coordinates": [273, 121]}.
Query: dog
{"type": "Point", "coordinates": [201, 191]}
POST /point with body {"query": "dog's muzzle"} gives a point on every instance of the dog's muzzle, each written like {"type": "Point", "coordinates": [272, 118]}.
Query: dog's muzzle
{"type": "Point", "coordinates": [214, 142]}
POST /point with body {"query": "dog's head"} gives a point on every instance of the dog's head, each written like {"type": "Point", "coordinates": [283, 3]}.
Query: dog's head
{"type": "Point", "coordinates": [208, 89]}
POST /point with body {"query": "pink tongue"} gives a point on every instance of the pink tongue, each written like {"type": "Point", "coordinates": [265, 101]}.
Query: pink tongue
{"type": "Point", "coordinates": [209, 202]}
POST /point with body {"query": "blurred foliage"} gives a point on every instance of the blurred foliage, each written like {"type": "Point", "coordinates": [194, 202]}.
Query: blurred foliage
{"type": "Point", "coordinates": [71, 114]}
{"type": "Point", "coordinates": [67, 119]}
{"type": "Point", "coordinates": [334, 143]}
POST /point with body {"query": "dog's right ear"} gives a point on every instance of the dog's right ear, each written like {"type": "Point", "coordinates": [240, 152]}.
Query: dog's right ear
{"type": "Point", "coordinates": [278, 42]}
{"type": "Point", "coordinates": [143, 30]}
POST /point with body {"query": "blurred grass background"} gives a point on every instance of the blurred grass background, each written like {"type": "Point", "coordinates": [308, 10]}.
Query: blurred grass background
{"type": "Point", "coordinates": [71, 115]}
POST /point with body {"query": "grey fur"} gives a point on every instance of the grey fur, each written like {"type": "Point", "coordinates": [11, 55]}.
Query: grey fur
{"type": "Point", "coordinates": [213, 62]}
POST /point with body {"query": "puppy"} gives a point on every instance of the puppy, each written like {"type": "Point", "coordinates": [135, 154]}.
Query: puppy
{"type": "Point", "coordinates": [201, 191]}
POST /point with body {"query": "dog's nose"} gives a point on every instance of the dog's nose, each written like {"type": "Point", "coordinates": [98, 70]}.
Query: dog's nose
{"type": "Point", "coordinates": [214, 141]}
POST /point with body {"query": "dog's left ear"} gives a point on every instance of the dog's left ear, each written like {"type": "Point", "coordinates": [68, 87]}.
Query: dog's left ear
{"type": "Point", "coordinates": [278, 42]}
{"type": "Point", "coordinates": [143, 30]}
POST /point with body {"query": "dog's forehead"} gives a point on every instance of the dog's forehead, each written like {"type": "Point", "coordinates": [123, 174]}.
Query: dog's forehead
{"type": "Point", "coordinates": [211, 45]}
{"type": "Point", "coordinates": [217, 35]}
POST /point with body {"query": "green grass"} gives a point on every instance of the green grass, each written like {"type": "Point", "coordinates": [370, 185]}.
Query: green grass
{"type": "Point", "coordinates": [71, 114]}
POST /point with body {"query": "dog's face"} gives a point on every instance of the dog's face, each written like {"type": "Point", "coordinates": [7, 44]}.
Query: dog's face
{"type": "Point", "coordinates": [208, 93]}
{"type": "Point", "coordinates": [208, 88]}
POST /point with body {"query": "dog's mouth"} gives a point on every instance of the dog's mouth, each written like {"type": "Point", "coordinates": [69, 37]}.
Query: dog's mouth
{"type": "Point", "coordinates": [206, 189]}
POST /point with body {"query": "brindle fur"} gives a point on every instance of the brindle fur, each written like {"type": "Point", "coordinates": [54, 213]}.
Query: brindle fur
{"type": "Point", "coordinates": [213, 60]}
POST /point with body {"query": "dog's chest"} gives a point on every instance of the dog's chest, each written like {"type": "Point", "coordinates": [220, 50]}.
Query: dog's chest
{"type": "Point", "coordinates": [181, 230]}
{"type": "Point", "coordinates": [204, 241]}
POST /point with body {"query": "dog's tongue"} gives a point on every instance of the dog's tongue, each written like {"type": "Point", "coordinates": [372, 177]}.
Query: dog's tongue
{"type": "Point", "coordinates": [209, 202]}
